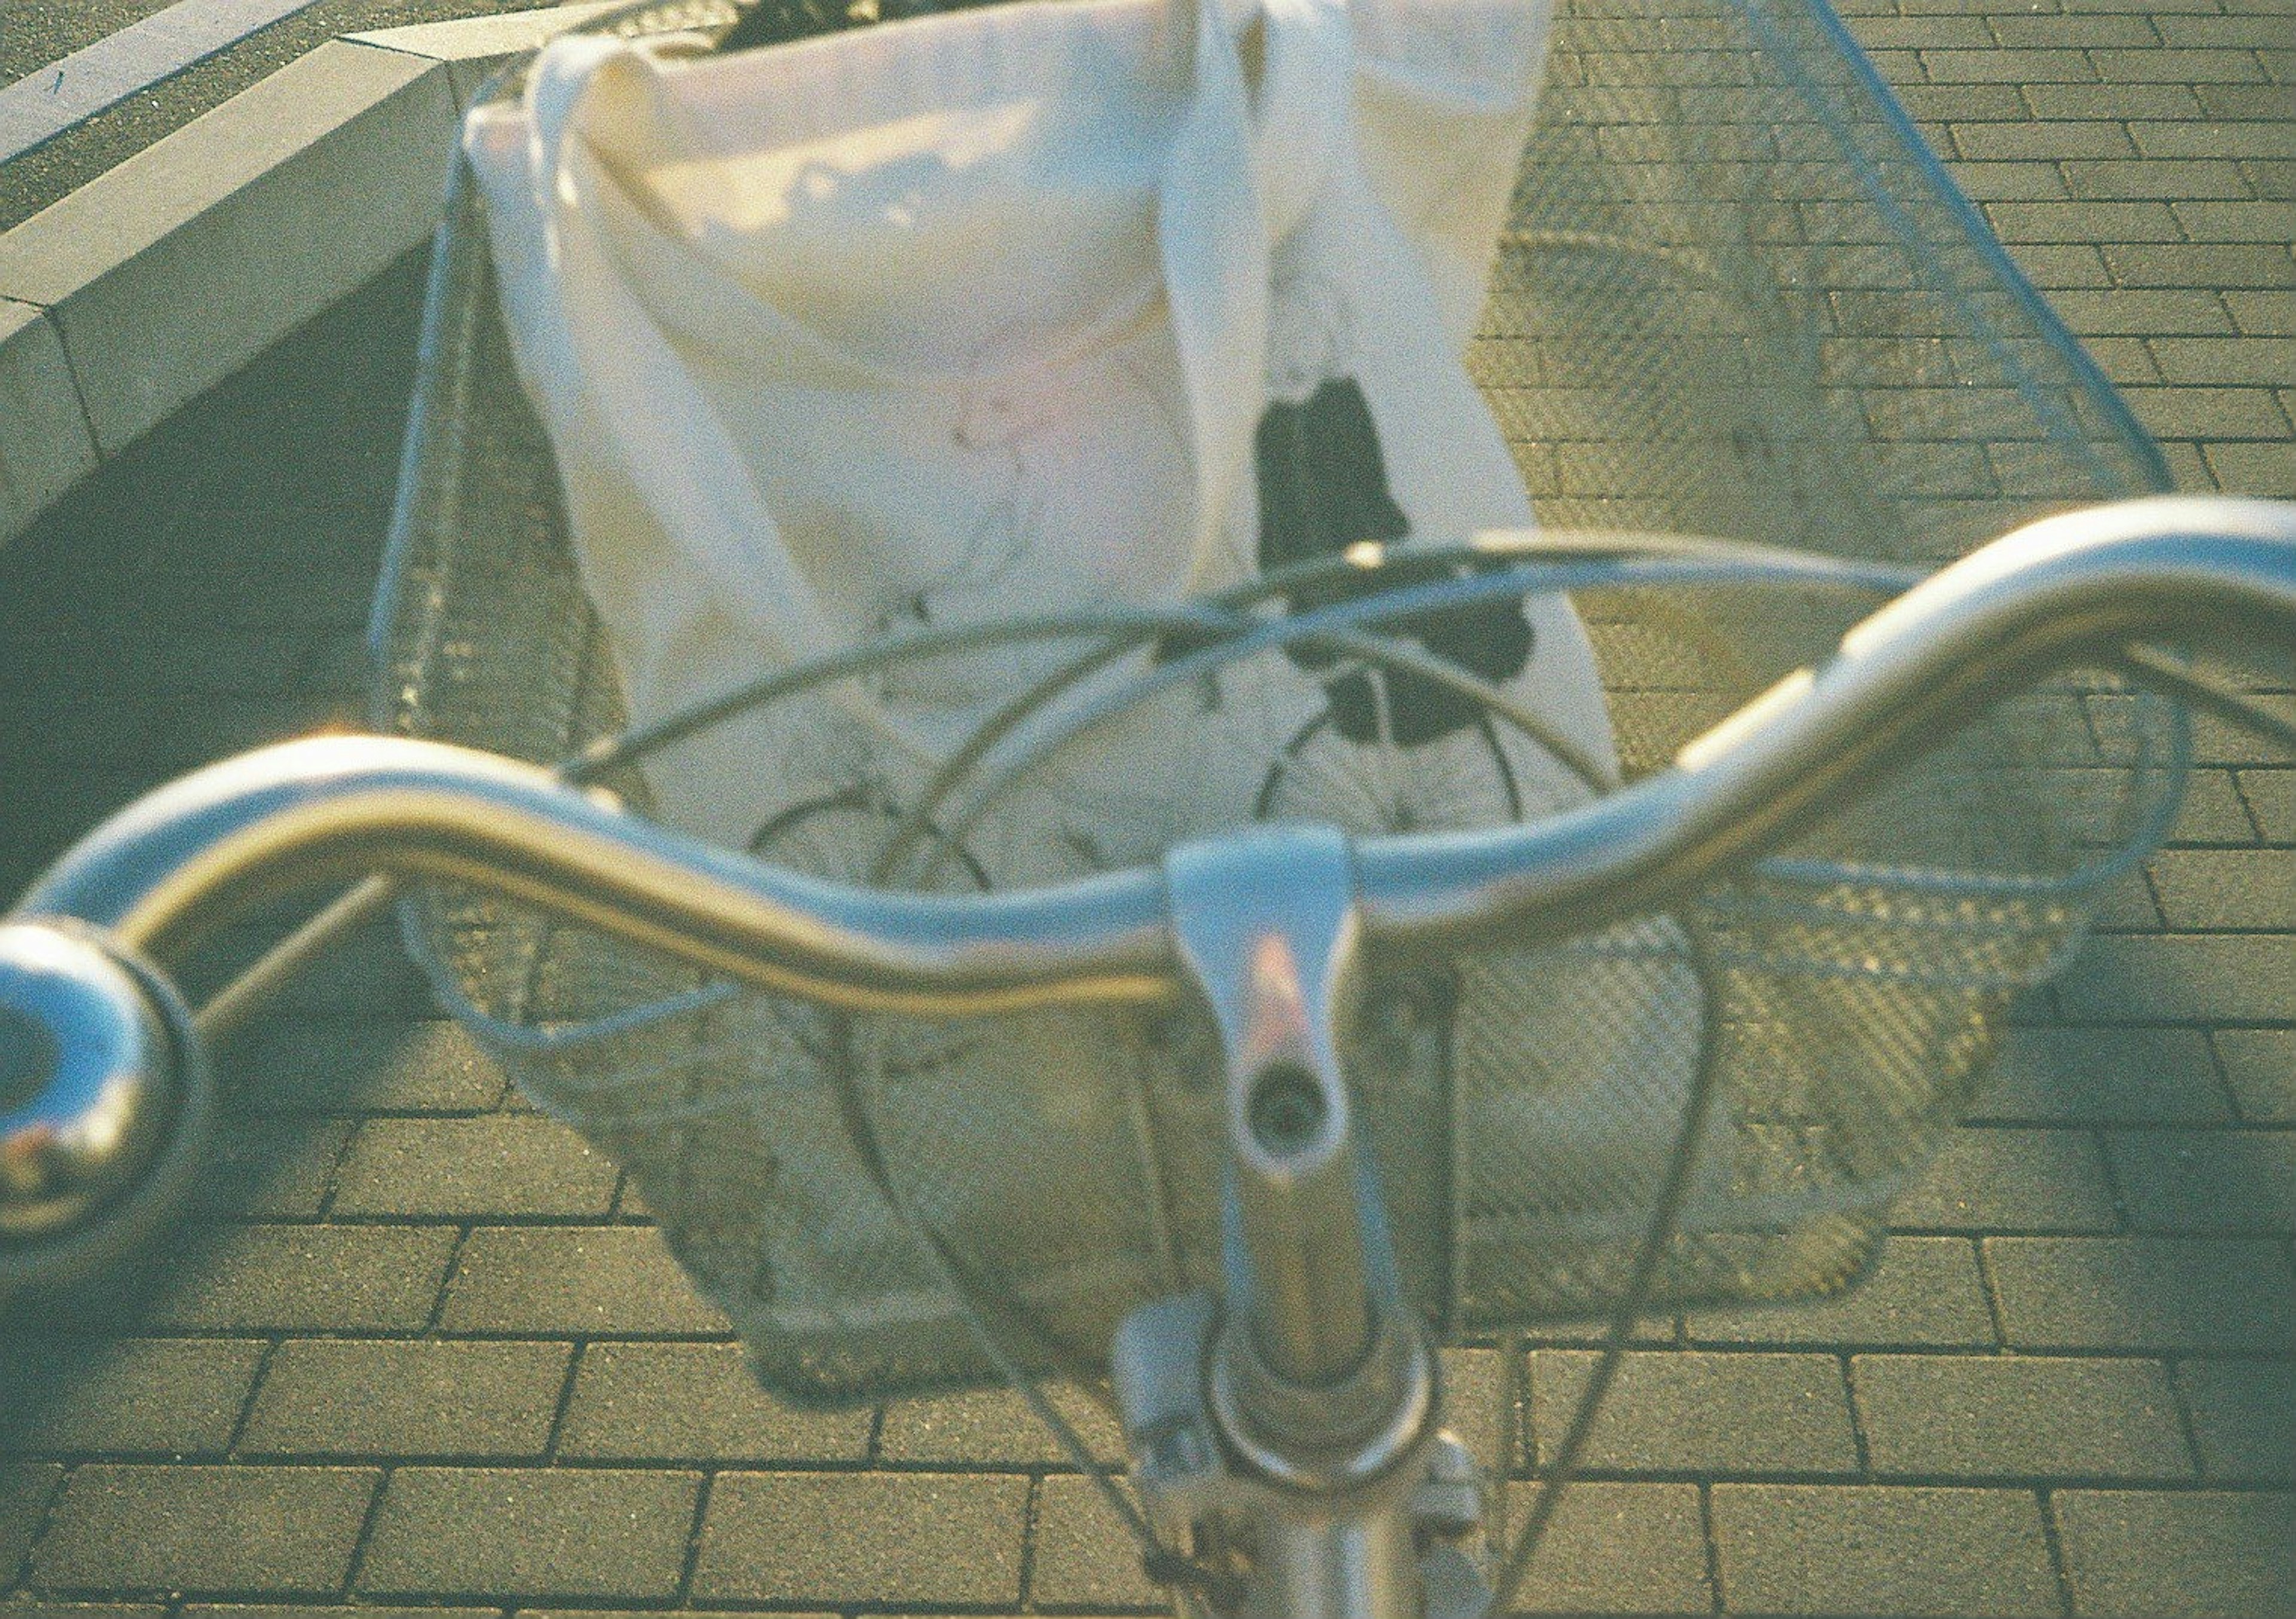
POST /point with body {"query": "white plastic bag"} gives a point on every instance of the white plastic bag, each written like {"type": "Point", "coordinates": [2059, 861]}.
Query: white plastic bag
{"type": "Point", "coordinates": [1030, 308]}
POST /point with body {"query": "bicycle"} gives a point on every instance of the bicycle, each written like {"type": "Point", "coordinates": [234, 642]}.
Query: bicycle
{"type": "Point", "coordinates": [1329, 1271]}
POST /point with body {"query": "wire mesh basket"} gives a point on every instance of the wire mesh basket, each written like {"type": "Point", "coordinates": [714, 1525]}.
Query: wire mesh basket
{"type": "Point", "coordinates": [1735, 297]}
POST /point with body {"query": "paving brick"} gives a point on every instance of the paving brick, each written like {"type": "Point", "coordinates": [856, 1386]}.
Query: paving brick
{"type": "Point", "coordinates": [2154, 100]}
{"type": "Point", "coordinates": [2143, 1294]}
{"type": "Point", "coordinates": [1997, 67]}
{"type": "Point", "coordinates": [503, 1164]}
{"type": "Point", "coordinates": [2255, 468]}
{"type": "Point", "coordinates": [2139, 1555]}
{"type": "Point", "coordinates": [306, 1278]}
{"type": "Point", "coordinates": [573, 1281]}
{"type": "Point", "coordinates": [2097, 222]}
{"type": "Point", "coordinates": [2214, 138]}
{"type": "Point", "coordinates": [2261, 314]}
{"type": "Point", "coordinates": [989, 1428]}
{"type": "Point", "coordinates": [1924, 1292]}
{"type": "Point", "coordinates": [2205, 220]}
{"type": "Point", "coordinates": [2018, 1417]}
{"type": "Point", "coordinates": [2114, 179]}
{"type": "Point", "coordinates": [2271, 798]}
{"type": "Point", "coordinates": [532, 1533]}
{"type": "Point", "coordinates": [2053, 269]}
{"type": "Point", "coordinates": [1800, 1548]}
{"type": "Point", "coordinates": [2243, 1416]}
{"type": "Point", "coordinates": [2240, 1181]}
{"type": "Point", "coordinates": [2183, 977]}
{"type": "Point", "coordinates": [866, 1537]}
{"type": "Point", "coordinates": [694, 1402]}
{"type": "Point", "coordinates": [2225, 888]}
{"type": "Point", "coordinates": [324, 1065]}
{"type": "Point", "coordinates": [2242, 101]}
{"type": "Point", "coordinates": [1083, 1557]}
{"type": "Point", "coordinates": [1477, 1407]}
{"type": "Point", "coordinates": [1998, 140]}
{"type": "Point", "coordinates": [2212, 812]}
{"type": "Point", "coordinates": [2204, 412]}
{"type": "Point", "coordinates": [242, 1610]}
{"type": "Point", "coordinates": [1990, 1179]}
{"type": "Point", "coordinates": [124, 1395]}
{"type": "Point", "coordinates": [1617, 1549]}
{"type": "Point", "coordinates": [2262, 362]}
{"type": "Point", "coordinates": [2122, 29]}
{"type": "Point", "coordinates": [1965, 102]}
{"type": "Point", "coordinates": [2265, 267]}
{"type": "Point", "coordinates": [1684, 1411]}
{"type": "Point", "coordinates": [2260, 1067]}
{"type": "Point", "coordinates": [130, 1527]}
{"type": "Point", "coordinates": [2003, 182]}
{"type": "Point", "coordinates": [337, 1397]}
{"type": "Point", "coordinates": [2094, 1076]}
{"type": "Point", "coordinates": [270, 1168]}
{"type": "Point", "coordinates": [2226, 32]}
{"type": "Point", "coordinates": [2176, 66]}
{"type": "Point", "coordinates": [25, 1492]}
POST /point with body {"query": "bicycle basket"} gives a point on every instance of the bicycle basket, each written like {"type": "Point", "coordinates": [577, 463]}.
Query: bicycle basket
{"type": "Point", "coordinates": [1736, 298]}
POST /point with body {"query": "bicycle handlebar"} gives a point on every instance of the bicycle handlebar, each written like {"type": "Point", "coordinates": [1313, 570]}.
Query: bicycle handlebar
{"type": "Point", "coordinates": [196, 853]}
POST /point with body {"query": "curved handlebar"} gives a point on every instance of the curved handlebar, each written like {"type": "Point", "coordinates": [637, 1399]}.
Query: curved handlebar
{"type": "Point", "coordinates": [197, 854]}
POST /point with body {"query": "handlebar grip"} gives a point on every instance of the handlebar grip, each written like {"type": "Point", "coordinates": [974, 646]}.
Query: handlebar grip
{"type": "Point", "coordinates": [105, 1102]}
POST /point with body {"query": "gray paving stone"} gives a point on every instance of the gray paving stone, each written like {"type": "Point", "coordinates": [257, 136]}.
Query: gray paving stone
{"type": "Point", "coordinates": [2114, 178]}
{"type": "Point", "coordinates": [2209, 220]}
{"type": "Point", "coordinates": [1618, 1548]}
{"type": "Point", "coordinates": [1835, 1549]}
{"type": "Point", "coordinates": [2264, 264]}
{"type": "Point", "coordinates": [2137, 1555]}
{"type": "Point", "coordinates": [842, 1538]}
{"type": "Point", "coordinates": [2158, 100]}
{"type": "Point", "coordinates": [2018, 1417]}
{"type": "Point", "coordinates": [2204, 412]}
{"type": "Point", "coordinates": [2271, 798]}
{"type": "Point", "coordinates": [132, 1527]}
{"type": "Point", "coordinates": [2178, 66]}
{"type": "Point", "coordinates": [1082, 1555]}
{"type": "Point", "coordinates": [1925, 1293]}
{"type": "Point", "coordinates": [2261, 1066]}
{"type": "Point", "coordinates": [337, 1397]}
{"type": "Point", "coordinates": [1683, 1411]}
{"type": "Point", "coordinates": [2214, 1181]}
{"type": "Point", "coordinates": [694, 1402]}
{"type": "Point", "coordinates": [302, 1610]}
{"type": "Point", "coordinates": [2097, 222]}
{"type": "Point", "coordinates": [2143, 1294]}
{"type": "Point", "coordinates": [2262, 314]}
{"type": "Point", "coordinates": [271, 1168]}
{"type": "Point", "coordinates": [2098, 1076]}
{"type": "Point", "coordinates": [503, 1165]}
{"type": "Point", "coordinates": [573, 1281]}
{"type": "Point", "coordinates": [123, 1396]}
{"type": "Point", "coordinates": [2183, 978]}
{"type": "Point", "coordinates": [1996, 66]}
{"type": "Point", "coordinates": [2255, 468]}
{"type": "Point", "coordinates": [26, 1489]}
{"type": "Point", "coordinates": [991, 1427]}
{"type": "Point", "coordinates": [2244, 1415]}
{"type": "Point", "coordinates": [531, 1533]}
{"type": "Point", "coordinates": [306, 1278]}
{"type": "Point", "coordinates": [1992, 1179]}
{"type": "Point", "coordinates": [324, 1065]}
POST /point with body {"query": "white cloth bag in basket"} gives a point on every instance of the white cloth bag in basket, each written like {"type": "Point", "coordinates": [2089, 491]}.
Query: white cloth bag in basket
{"type": "Point", "coordinates": [1028, 308]}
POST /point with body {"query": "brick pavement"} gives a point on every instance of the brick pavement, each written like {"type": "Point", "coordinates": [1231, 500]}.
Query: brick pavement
{"type": "Point", "coordinates": [419, 1352]}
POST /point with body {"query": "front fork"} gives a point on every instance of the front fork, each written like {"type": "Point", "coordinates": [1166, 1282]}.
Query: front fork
{"type": "Point", "coordinates": [1290, 1433]}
